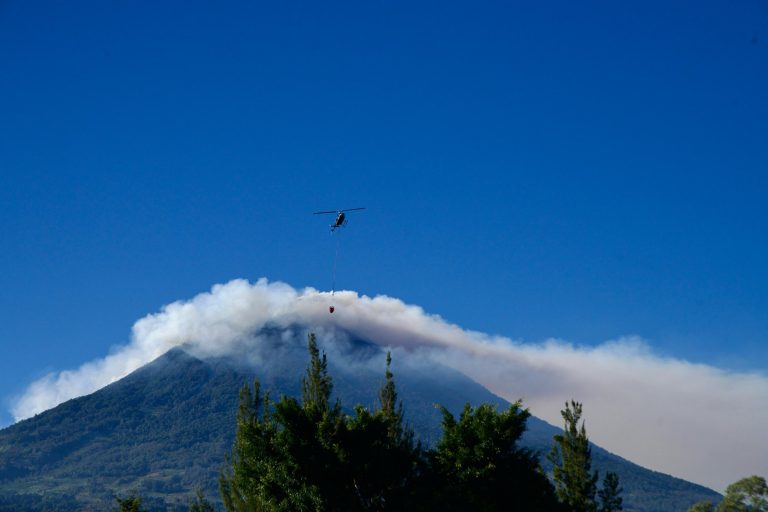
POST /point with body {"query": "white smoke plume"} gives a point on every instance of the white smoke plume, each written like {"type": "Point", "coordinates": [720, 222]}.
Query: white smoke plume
{"type": "Point", "coordinates": [691, 420]}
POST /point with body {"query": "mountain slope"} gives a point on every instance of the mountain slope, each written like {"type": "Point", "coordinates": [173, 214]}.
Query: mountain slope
{"type": "Point", "coordinates": [166, 428]}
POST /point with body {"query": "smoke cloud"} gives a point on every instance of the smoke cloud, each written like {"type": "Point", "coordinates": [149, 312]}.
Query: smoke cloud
{"type": "Point", "coordinates": [691, 420]}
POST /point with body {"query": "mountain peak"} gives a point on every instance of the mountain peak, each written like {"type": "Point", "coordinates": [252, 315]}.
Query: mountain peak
{"type": "Point", "coordinates": [165, 428]}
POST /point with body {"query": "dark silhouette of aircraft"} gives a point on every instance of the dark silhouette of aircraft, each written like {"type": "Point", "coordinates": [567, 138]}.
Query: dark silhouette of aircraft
{"type": "Point", "coordinates": [341, 218]}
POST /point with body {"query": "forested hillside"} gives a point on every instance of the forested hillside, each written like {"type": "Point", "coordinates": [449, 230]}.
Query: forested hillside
{"type": "Point", "coordinates": [166, 429]}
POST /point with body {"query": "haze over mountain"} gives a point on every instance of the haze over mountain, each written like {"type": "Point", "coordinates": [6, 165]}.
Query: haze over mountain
{"type": "Point", "coordinates": [660, 412]}
{"type": "Point", "coordinates": [164, 429]}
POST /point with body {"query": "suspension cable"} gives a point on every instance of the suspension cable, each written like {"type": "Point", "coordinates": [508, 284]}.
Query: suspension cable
{"type": "Point", "coordinates": [335, 260]}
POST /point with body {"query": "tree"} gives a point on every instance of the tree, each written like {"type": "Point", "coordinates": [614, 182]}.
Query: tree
{"type": "Point", "coordinates": [746, 495]}
{"type": "Point", "coordinates": [571, 456]}
{"type": "Point", "coordinates": [610, 494]}
{"type": "Point", "coordinates": [253, 454]}
{"type": "Point", "coordinates": [702, 506]}
{"type": "Point", "coordinates": [199, 503]}
{"type": "Point", "coordinates": [479, 466]}
{"type": "Point", "coordinates": [391, 410]}
{"type": "Point", "coordinates": [130, 504]}
{"type": "Point", "coordinates": [307, 455]}
{"type": "Point", "coordinates": [316, 386]}
{"type": "Point", "coordinates": [310, 436]}
{"type": "Point", "coordinates": [385, 463]}
{"type": "Point", "coordinates": [286, 459]}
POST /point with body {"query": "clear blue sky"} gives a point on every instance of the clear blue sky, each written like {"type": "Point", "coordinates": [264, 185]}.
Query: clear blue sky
{"type": "Point", "coordinates": [538, 169]}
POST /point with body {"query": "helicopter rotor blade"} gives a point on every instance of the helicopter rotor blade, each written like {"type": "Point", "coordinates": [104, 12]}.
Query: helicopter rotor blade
{"type": "Point", "coordinates": [350, 209]}
{"type": "Point", "coordinates": [318, 213]}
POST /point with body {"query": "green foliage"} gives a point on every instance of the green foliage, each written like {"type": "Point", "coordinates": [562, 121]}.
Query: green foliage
{"type": "Point", "coordinates": [163, 429]}
{"type": "Point", "coordinates": [391, 409]}
{"type": "Point", "coordinates": [159, 432]}
{"type": "Point", "coordinates": [309, 456]}
{"type": "Point", "coordinates": [316, 386]}
{"type": "Point", "coordinates": [571, 457]}
{"type": "Point", "coordinates": [283, 452]}
{"type": "Point", "coordinates": [702, 506]}
{"type": "Point", "coordinates": [385, 464]}
{"type": "Point", "coordinates": [200, 503]}
{"type": "Point", "coordinates": [130, 504]}
{"type": "Point", "coordinates": [747, 495]}
{"type": "Point", "coordinates": [610, 494]}
{"type": "Point", "coordinates": [479, 466]}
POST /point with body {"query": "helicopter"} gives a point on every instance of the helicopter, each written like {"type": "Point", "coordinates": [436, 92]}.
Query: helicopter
{"type": "Point", "coordinates": [341, 218]}
{"type": "Point", "coordinates": [340, 221]}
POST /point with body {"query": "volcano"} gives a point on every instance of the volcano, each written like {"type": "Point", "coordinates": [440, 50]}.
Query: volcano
{"type": "Point", "coordinates": [166, 428]}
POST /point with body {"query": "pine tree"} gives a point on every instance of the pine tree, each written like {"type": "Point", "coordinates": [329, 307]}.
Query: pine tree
{"type": "Point", "coordinates": [311, 436]}
{"type": "Point", "coordinates": [200, 504]}
{"type": "Point", "coordinates": [307, 455]}
{"type": "Point", "coordinates": [479, 466]}
{"type": "Point", "coordinates": [253, 457]}
{"type": "Point", "coordinates": [290, 457]}
{"type": "Point", "coordinates": [571, 457]}
{"type": "Point", "coordinates": [316, 386]}
{"type": "Point", "coordinates": [702, 506]}
{"type": "Point", "coordinates": [610, 494]}
{"type": "Point", "coordinates": [130, 504]}
{"type": "Point", "coordinates": [384, 462]}
{"type": "Point", "coordinates": [390, 409]}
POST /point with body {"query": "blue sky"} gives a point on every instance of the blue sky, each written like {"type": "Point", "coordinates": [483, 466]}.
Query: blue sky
{"type": "Point", "coordinates": [530, 169]}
